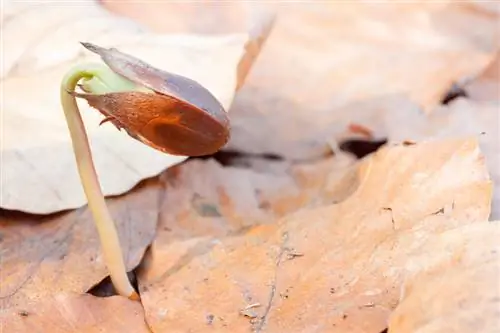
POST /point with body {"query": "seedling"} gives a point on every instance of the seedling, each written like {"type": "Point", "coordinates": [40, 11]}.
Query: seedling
{"type": "Point", "coordinates": [165, 111]}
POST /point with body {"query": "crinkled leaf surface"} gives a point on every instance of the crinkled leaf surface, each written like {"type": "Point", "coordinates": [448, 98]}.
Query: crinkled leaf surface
{"type": "Point", "coordinates": [40, 44]}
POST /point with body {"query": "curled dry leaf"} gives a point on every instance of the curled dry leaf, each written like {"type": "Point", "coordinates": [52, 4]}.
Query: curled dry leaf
{"type": "Point", "coordinates": [331, 268]}
{"type": "Point", "coordinates": [36, 151]}
{"type": "Point", "coordinates": [459, 291]}
{"type": "Point", "coordinates": [73, 313]}
{"type": "Point", "coordinates": [42, 256]}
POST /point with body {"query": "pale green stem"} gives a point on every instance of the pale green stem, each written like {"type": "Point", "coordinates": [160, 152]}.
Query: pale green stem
{"type": "Point", "coordinates": [106, 229]}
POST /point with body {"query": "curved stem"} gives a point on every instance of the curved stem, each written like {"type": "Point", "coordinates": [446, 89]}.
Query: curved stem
{"type": "Point", "coordinates": [105, 226]}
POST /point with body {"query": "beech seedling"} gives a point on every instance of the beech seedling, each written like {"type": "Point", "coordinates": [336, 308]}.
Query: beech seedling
{"type": "Point", "coordinates": [166, 111]}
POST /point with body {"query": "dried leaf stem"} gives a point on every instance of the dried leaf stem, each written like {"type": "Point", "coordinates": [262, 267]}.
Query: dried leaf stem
{"type": "Point", "coordinates": [106, 229]}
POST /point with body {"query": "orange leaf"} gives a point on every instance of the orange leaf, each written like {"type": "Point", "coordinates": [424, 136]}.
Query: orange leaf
{"type": "Point", "coordinates": [332, 268]}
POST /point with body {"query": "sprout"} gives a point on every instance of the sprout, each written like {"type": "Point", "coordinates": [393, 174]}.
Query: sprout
{"type": "Point", "coordinates": [165, 111]}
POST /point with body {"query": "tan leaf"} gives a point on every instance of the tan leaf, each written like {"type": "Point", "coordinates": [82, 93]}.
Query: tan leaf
{"type": "Point", "coordinates": [459, 291]}
{"type": "Point", "coordinates": [41, 256]}
{"type": "Point", "coordinates": [330, 268]}
{"type": "Point", "coordinates": [466, 117]}
{"type": "Point", "coordinates": [72, 313]}
{"type": "Point", "coordinates": [206, 199]}
{"type": "Point", "coordinates": [460, 118]}
{"type": "Point", "coordinates": [487, 86]}
{"type": "Point", "coordinates": [208, 17]}
{"type": "Point", "coordinates": [326, 57]}
{"type": "Point", "coordinates": [36, 151]}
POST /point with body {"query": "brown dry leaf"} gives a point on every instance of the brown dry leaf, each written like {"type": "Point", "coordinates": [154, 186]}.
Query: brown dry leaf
{"type": "Point", "coordinates": [207, 199]}
{"type": "Point", "coordinates": [36, 148]}
{"type": "Point", "coordinates": [41, 256]}
{"type": "Point", "coordinates": [326, 57]}
{"type": "Point", "coordinates": [459, 291]}
{"type": "Point", "coordinates": [461, 117]}
{"type": "Point", "coordinates": [72, 313]}
{"type": "Point", "coordinates": [333, 268]}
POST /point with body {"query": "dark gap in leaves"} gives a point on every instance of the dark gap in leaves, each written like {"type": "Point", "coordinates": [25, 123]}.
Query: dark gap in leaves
{"type": "Point", "coordinates": [232, 157]}
{"type": "Point", "coordinates": [455, 92]}
{"type": "Point", "coordinates": [361, 148]}
{"type": "Point", "coordinates": [105, 287]}
{"type": "Point", "coordinates": [34, 218]}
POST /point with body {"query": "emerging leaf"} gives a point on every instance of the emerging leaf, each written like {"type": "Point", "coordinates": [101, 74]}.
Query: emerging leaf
{"type": "Point", "coordinates": [168, 112]}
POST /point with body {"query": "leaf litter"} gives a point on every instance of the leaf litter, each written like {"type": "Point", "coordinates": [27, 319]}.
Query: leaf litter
{"type": "Point", "coordinates": [397, 241]}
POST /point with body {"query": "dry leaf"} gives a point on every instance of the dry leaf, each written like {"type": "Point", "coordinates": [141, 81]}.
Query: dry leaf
{"type": "Point", "coordinates": [487, 86]}
{"type": "Point", "coordinates": [72, 313]}
{"type": "Point", "coordinates": [399, 120]}
{"type": "Point", "coordinates": [323, 58]}
{"type": "Point", "coordinates": [41, 256]}
{"type": "Point", "coordinates": [36, 151]}
{"type": "Point", "coordinates": [333, 268]}
{"type": "Point", "coordinates": [459, 292]}
{"type": "Point", "coordinates": [204, 198]}
{"type": "Point", "coordinates": [207, 17]}
{"type": "Point", "coordinates": [466, 117]}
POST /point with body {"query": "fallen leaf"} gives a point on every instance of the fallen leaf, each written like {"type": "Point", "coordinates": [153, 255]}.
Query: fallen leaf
{"type": "Point", "coordinates": [36, 147]}
{"type": "Point", "coordinates": [41, 256]}
{"type": "Point", "coordinates": [324, 58]}
{"type": "Point", "coordinates": [71, 313]}
{"type": "Point", "coordinates": [200, 18]}
{"type": "Point", "coordinates": [460, 118]}
{"type": "Point", "coordinates": [354, 255]}
{"type": "Point", "coordinates": [459, 291]}
{"type": "Point", "coordinates": [397, 120]}
{"type": "Point", "coordinates": [481, 119]}
{"type": "Point", "coordinates": [204, 199]}
{"type": "Point", "coordinates": [486, 87]}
